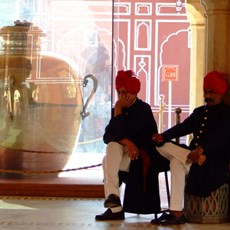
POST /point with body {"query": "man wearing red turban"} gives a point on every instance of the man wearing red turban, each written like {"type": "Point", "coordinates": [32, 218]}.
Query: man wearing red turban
{"type": "Point", "coordinates": [205, 161]}
{"type": "Point", "coordinates": [216, 82]}
{"type": "Point", "coordinates": [130, 152]}
{"type": "Point", "coordinates": [128, 80]}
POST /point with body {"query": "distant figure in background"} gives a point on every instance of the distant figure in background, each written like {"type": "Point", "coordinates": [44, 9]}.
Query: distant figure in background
{"type": "Point", "coordinates": [205, 161]}
{"type": "Point", "coordinates": [131, 155]}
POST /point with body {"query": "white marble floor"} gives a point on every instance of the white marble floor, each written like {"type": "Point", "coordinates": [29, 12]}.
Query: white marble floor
{"type": "Point", "coordinates": [55, 213]}
{"type": "Point", "coordinates": [39, 213]}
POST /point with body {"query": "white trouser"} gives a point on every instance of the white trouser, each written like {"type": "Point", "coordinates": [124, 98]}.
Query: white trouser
{"type": "Point", "coordinates": [115, 160]}
{"type": "Point", "coordinates": [179, 169]}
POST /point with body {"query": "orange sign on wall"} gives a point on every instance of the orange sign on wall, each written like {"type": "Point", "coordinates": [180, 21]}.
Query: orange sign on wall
{"type": "Point", "coordinates": [170, 73]}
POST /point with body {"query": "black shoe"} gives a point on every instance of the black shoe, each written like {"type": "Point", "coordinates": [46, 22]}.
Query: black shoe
{"type": "Point", "coordinates": [168, 219]}
{"type": "Point", "coordinates": [158, 220]}
{"type": "Point", "coordinates": [109, 215]}
{"type": "Point", "coordinates": [112, 201]}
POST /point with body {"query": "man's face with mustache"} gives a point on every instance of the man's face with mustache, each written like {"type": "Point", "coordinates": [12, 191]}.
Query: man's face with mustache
{"type": "Point", "coordinates": [212, 98]}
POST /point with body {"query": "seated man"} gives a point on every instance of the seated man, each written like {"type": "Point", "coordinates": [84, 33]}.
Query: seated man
{"type": "Point", "coordinates": [129, 141]}
{"type": "Point", "coordinates": [205, 161]}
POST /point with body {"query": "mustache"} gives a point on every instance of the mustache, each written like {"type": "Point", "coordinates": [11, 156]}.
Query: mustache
{"type": "Point", "coordinates": [208, 100]}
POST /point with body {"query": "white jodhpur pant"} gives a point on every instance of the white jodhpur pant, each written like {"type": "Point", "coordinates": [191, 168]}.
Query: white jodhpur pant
{"type": "Point", "coordinates": [179, 168]}
{"type": "Point", "coordinates": [115, 160]}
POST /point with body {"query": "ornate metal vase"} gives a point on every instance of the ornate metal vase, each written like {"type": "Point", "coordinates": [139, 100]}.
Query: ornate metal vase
{"type": "Point", "coordinates": [42, 104]}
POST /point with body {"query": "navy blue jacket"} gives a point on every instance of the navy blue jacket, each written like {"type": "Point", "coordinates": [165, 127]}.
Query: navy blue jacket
{"type": "Point", "coordinates": [138, 124]}
{"type": "Point", "coordinates": [211, 130]}
{"type": "Point", "coordinates": [135, 123]}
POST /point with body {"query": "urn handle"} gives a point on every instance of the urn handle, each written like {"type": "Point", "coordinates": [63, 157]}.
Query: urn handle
{"type": "Point", "coordinates": [92, 92]}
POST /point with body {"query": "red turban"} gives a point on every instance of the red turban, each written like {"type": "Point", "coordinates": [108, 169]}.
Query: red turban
{"type": "Point", "coordinates": [128, 81]}
{"type": "Point", "coordinates": [215, 81]}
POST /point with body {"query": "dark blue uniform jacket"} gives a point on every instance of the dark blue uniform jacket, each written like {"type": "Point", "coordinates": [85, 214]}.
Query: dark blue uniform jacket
{"type": "Point", "coordinates": [210, 128]}
{"type": "Point", "coordinates": [138, 124]}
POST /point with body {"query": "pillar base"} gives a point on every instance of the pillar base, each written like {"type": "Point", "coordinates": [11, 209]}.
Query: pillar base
{"type": "Point", "coordinates": [207, 210]}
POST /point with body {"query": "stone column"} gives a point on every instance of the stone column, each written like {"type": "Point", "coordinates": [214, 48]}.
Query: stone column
{"type": "Point", "coordinates": [195, 13]}
{"type": "Point", "coordinates": [217, 37]}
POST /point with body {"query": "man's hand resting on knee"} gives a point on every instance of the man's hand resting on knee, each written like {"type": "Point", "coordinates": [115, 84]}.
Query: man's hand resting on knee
{"type": "Point", "coordinates": [196, 156]}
